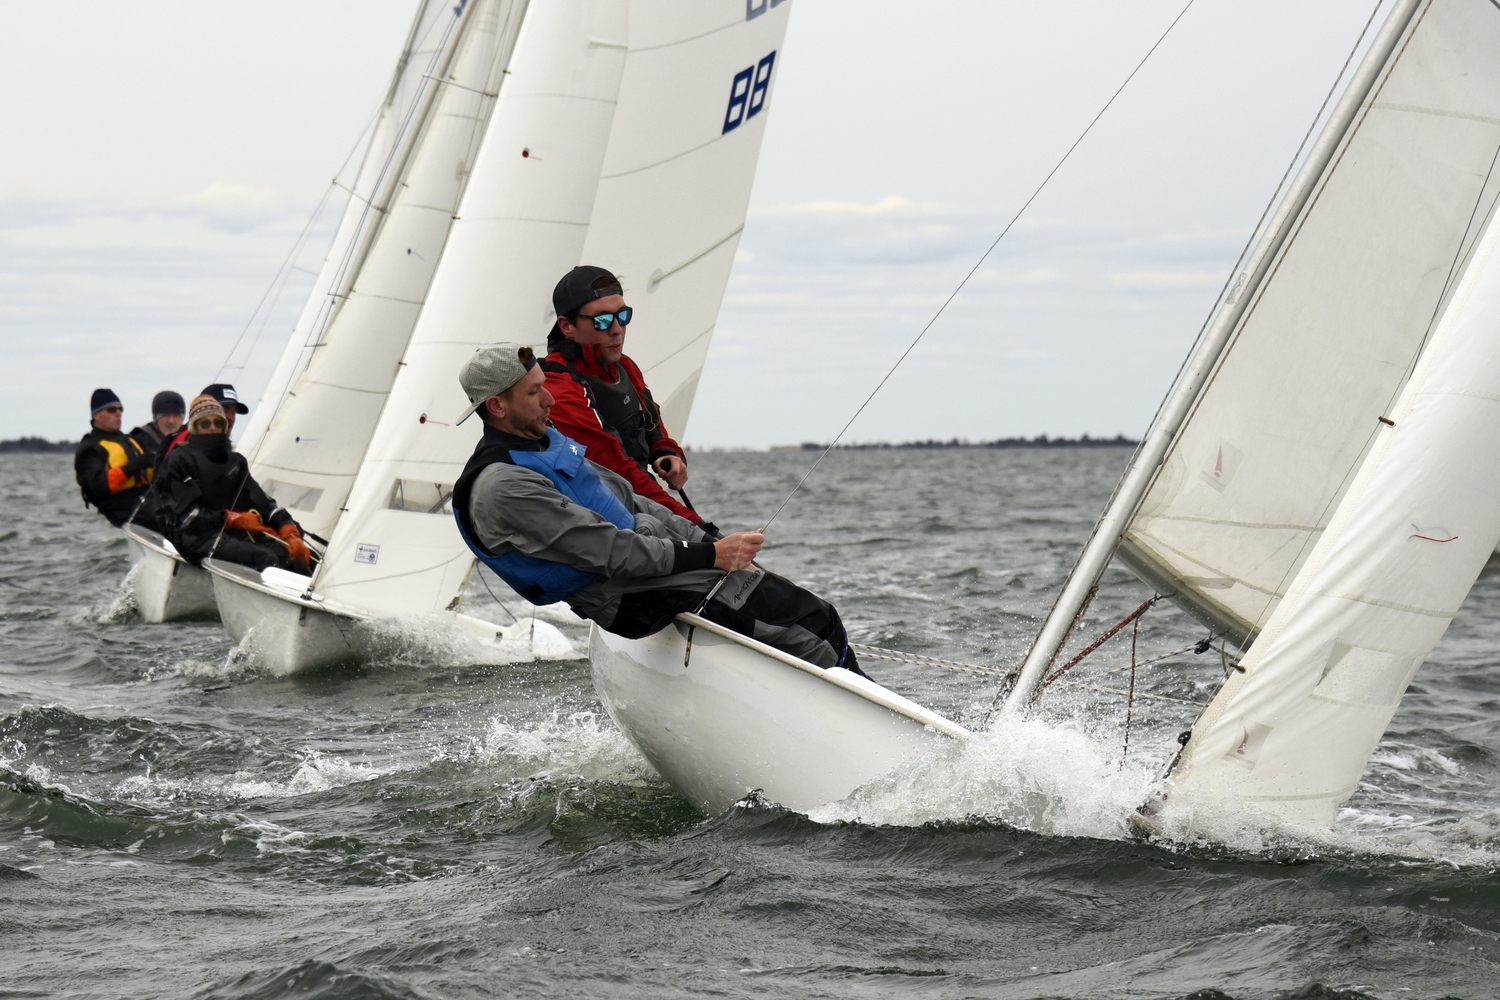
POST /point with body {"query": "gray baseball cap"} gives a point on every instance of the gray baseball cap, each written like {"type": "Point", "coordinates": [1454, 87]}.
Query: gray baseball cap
{"type": "Point", "coordinates": [491, 371]}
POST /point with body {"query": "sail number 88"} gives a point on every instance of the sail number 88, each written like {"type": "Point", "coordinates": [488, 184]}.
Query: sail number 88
{"type": "Point", "coordinates": [747, 94]}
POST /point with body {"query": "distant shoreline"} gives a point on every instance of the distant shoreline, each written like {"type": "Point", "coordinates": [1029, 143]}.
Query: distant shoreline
{"type": "Point", "coordinates": [41, 446]}
{"type": "Point", "coordinates": [1040, 441]}
{"type": "Point", "coordinates": [36, 446]}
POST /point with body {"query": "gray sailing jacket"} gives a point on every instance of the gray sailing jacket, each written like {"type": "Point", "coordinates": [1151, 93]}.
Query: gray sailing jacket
{"type": "Point", "coordinates": [512, 507]}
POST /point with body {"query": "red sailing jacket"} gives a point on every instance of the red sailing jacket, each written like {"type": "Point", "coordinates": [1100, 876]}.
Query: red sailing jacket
{"type": "Point", "coordinates": [574, 413]}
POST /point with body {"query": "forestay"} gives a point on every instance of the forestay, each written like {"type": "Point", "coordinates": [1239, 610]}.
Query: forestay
{"type": "Point", "coordinates": [1293, 732]}
{"type": "Point", "coordinates": [390, 142]}
{"type": "Point", "coordinates": [677, 177]}
{"type": "Point", "coordinates": [309, 456]}
{"type": "Point", "coordinates": [521, 224]}
{"type": "Point", "coordinates": [1278, 431]}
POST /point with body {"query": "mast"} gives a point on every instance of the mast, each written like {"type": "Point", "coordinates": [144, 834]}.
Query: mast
{"type": "Point", "coordinates": [1101, 546]}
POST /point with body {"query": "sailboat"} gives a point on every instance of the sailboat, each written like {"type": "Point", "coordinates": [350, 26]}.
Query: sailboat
{"type": "Point", "coordinates": [1317, 487]}
{"type": "Point", "coordinates": [166, 586]}
{"type": "Point", "coordinates": [610, 142]}
{"type": "Point", "coordinates": [352, 398]}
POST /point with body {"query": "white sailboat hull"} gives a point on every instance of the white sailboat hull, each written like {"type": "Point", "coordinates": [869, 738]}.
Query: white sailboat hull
{"type": "Point", "coordinates": [733, 715]}
{"type": "Point", "coordinates": [287, 632]}
{"type": "Point", "coordinates": [167, 587]}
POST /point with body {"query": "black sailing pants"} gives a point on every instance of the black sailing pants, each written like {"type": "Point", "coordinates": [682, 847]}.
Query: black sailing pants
{"type": "Point", "coordinates": [777, 612]}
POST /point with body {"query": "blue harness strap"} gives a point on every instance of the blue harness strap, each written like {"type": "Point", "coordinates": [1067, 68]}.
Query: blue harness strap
{"type": "Point", "coordinates": [542, 581]}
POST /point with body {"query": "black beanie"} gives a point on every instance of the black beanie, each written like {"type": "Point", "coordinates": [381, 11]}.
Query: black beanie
{"type": "Point", "coordinates": [167, 402]}
{"type": "Point", "coordinates": [101, 399]}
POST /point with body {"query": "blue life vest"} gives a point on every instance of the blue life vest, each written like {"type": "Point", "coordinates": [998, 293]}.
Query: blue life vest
{"type": "Point", "coordinates": [542, 581]}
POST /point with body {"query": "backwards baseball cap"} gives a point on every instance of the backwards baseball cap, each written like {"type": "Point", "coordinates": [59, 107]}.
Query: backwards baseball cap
{"type": "Point", "coordinates": [102, 398]}
{"type": "Point", "coordinates": [167, 402]}
{"type": "Point", "coordinates": [491, 371]}
{"type": "Point", "coordinates": [227, 397]}
{"type": "Point", "coordinates": [581, 286]}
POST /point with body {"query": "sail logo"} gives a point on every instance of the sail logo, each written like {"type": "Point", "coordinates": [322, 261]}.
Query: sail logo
{"type": "Point", "coordinates": [367, 554]}
{"type": "Point", "coordinates": [747, 94]}
{"type": "Point", "coordinates": [1221, 466]}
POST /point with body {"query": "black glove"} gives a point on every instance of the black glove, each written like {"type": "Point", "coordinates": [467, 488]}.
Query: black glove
{"type": "Point", "coordinates": [138, 465]}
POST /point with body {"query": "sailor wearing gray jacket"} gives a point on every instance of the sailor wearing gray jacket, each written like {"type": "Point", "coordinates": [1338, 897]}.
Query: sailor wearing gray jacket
{"type": "Point", "coordinates": [557, 527]}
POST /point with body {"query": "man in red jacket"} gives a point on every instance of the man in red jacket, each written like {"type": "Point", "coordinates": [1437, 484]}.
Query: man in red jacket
{"type": "Point", "coordinates": [601, 397]}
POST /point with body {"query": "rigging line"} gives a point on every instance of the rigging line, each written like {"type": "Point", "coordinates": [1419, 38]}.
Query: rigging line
{"type": "Point", "coordinates": [301, 240]}
{"type": "Point", "coordinates": [296, 248]}
{"type": "Point", "coordinates": [1271, 203]}
{"type": "Point", "coordinates": [487, 590]}
{"type": "Point", "coordinates": [1008, 226]}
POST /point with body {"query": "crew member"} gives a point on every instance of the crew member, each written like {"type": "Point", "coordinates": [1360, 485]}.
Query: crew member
{"type": "Point", "coordinates": [113, 470]}
{"type": "Point", "coordinates": [226, 397]}
{"type": "Point", "coordinates": [600, 396]}
{"type": "Point", "coordinates": [558, 527]}
{"type": "Point", "coordinates": [167, 413]}
{"type": "Point", "coordinates": [212, 505]}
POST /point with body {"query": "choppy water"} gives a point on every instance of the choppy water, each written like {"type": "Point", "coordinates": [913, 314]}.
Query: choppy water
{"type": "Point", "coordinates": [175, 824]}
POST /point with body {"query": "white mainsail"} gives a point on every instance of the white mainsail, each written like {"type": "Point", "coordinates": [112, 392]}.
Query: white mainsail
{"type": "Point", "coordinates": [310, 454]}
{"type": "Point", "coordinates": [676, 182]}
{"type": "Point", "coordinates": [391, 140]}
{"type": "Point", "coordinates": [1262, 434]}
{"type": "Point", "coordinates": [1292, 733]}
{"type": "Point", "coordinates": [522, 223]}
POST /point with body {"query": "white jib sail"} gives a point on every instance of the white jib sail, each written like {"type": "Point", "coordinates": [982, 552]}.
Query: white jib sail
{"type": "Point", "coordinates": [1279, 429]}
{"type": "Point", "coordinates": [310, 454]}
{"type": "Point", "coordinates": [1239, 476]}
{"type": "Point", "coordinates": [1293, 732]}
{"type": "Point", "coordinates": [677, 177]}
{"type": "Point", "coordinates": [385, 152]}
{"type": "Point", "coordinates": [521, 225]}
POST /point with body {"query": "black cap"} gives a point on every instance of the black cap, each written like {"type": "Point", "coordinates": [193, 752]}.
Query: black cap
{"type": "Point", "coordinates": [581, 286]}
{"type": "Point", "coordinates": [227, 397]}
{"type": "Point", "coordinates": [102, 398]}
{"type": "Point", "coordinates": [167, 402]}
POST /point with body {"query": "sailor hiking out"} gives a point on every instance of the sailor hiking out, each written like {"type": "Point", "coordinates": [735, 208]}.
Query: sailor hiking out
{"type": "Point", "coordinates": [113, 470]}
{"type": "Point", "coordinates": [213, 507]}
{"type": "Point", "coordinates": [600, 398]}
{"type": "Point", "coordinates": [556, 526]}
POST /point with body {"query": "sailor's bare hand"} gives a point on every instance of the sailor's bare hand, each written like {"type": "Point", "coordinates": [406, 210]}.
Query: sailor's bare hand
{"type": "Point", "coordinates": [736, 551]}
{"type": "Point", "coordinates": [672, 469]}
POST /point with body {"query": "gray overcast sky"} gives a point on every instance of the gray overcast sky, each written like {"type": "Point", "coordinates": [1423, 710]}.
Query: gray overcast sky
{"type": "Point", "coordinates": [161, 158]}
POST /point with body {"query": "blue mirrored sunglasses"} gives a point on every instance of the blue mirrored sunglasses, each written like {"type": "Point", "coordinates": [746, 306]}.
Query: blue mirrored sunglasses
{"type": "Point", "coordinates": [604, 321]}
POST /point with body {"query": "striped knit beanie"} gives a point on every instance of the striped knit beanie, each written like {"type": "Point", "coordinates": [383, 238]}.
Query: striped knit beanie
{"type": "Point", "coordinates": [204, 406]}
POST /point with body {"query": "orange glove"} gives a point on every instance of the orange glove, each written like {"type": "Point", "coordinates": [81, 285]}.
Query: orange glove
{"type": "Point", "coordinates": [247, 520]}
{"type": "Point", "coordinates": [295, 546]}
{"type": "Point", "coordinates": [117, 480]}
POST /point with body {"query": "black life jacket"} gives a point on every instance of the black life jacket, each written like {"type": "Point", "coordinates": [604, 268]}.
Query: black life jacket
{"type": "Point", "coordinates": [634, 420]}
